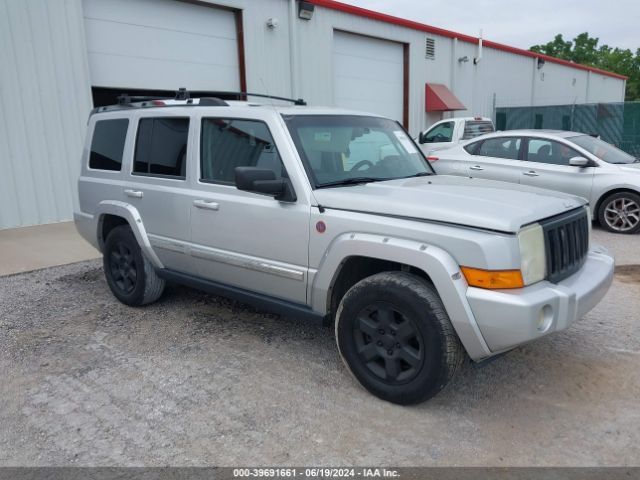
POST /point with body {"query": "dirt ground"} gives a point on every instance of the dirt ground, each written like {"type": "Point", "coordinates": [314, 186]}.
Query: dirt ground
{"type": "Point", "coordinates": [198, 380]}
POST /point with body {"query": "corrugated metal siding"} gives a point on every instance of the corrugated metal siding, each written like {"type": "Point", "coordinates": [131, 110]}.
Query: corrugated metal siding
{"type": "Point", "coordinates": [604, 89]}
{"type": "Point", "coordinates": [45, 91]}
{"type": "Point", "coordinates": [44, 103]}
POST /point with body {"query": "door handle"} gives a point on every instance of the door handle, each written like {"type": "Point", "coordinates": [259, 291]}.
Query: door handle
{"type": "Point", "coordinates": [476, 167]}
{"type": "Point", "coordinates": [531, 174]}
{"type": "Point", "coordinates": [133, 193]}
{"type": "Point", "coordinates": [206, 204]}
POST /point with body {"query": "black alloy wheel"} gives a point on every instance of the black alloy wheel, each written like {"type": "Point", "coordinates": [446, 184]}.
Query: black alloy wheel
{"type": "Point", "coordinates": [129, 274]}
{"type": "Point", "coordinates": [122, 264]}
{"type": "Point", "coordinates": [389, 343]}
{"type": "Point", "coordinates": [395, 337]}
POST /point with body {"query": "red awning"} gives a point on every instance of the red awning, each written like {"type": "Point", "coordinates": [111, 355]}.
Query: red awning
{"type": "Point", "coordinates": [439, 98]}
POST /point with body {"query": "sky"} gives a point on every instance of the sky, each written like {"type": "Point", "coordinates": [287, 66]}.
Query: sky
{"type": "Point", "coordinates": [516, 23]}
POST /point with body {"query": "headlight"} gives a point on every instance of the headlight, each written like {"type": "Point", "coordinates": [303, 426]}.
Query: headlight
{"type": "Point", "coordinates": [533, 258]}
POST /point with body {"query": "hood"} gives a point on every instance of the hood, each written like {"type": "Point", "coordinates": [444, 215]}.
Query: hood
{"type": "Point", "coordinates": [630, 167]}
{"type": "Point", "coordinates": [485, 204]}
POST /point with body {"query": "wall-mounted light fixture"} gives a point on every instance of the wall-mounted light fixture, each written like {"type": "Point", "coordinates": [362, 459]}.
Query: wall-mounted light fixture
{"type": "Point", "coordinates": [464, 59]}
{"type": "Point", "coordinates": [305, 10]}
{"type": "Point", "coordinates": [541, 63]}
{"type": "Point", "coordinates": [272, 22]}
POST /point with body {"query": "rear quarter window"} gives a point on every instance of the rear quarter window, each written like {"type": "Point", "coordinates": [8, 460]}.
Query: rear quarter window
{"type": "Point", "coordinates": [107, 144]}
{"type": "Point", "coordinates": [472, 148]}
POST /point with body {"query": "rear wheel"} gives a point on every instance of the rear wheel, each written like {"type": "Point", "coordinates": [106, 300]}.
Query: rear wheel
{"type": "Point", "coordinates": [395, 337]}
{"type": "Point", "coordinates": [131, 277]}
{"type": "Point", "coordinates": [620, 212]}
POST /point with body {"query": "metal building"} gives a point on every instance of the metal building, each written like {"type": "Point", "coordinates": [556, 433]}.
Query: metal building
{"type": "Point", "coordinates": [60, 57]}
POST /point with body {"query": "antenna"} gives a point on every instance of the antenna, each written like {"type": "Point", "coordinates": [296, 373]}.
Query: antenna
{"type": "Point", "coordinates": [267, 90]}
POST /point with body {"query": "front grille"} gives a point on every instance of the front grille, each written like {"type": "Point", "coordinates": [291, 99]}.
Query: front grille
{"type": "Point", "coordinates": [567, 243]}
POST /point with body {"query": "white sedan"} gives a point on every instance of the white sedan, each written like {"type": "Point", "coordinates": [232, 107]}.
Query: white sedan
{"type": "Point", "coordinates": [568, 162]}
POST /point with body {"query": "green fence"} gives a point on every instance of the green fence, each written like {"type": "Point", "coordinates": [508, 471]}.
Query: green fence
{"type": "Point", "coordinates": [616, 123]}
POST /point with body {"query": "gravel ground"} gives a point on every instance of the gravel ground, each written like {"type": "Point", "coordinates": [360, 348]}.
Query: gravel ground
{"type": "Point", "coordinates": [199, 380]}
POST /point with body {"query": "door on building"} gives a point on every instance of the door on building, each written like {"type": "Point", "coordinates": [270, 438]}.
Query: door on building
{"type": "Point", "coordinates": [369, 75]}
{"type": "Point", "coordinates": [162, 45]}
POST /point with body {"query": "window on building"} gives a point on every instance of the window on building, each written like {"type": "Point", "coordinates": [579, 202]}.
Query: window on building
{"type": "Point", "coordinates": [161, 147]}
{"type": "Point", "coordinates": [227, 144]}
{"type": "Point", "coordinates": [107, 144]}
{"type": "Point", "coordinates": [501, 147]}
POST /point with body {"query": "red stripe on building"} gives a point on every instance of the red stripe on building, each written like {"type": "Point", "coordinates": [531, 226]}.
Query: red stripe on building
{"type": "Point", "coordinates": [383, 17]}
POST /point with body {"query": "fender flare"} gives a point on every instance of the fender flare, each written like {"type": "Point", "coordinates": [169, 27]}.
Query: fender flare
{"type": "Point", "coordinates": [435, 262]}
{"type": "Point", "coordinates": [132, 216]}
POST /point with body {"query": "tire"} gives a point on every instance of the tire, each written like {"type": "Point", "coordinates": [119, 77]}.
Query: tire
{"type": "Point", "coordinates": [130, 276]}
{"type": "Point", "coordinates": [396, 339]}
{"type": "Point", "coordinates": [620, 213]}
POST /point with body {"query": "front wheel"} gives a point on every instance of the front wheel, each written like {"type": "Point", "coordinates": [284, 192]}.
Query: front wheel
{"type": "Point", "coordinates": [396, 338]}
{"type": "Point", "coordinates": [131, 277]}
{"type": "Point", "coordinates": [620, 213]}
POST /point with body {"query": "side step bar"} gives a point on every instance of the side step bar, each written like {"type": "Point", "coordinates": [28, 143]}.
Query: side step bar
{"type": "Point", "coordinates": [264, 302]}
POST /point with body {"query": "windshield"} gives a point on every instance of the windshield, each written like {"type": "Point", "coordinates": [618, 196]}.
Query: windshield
{"type": "Point", "coordinates": [603, 150]}
{"type": "Point", "coordinates": [348, 149]}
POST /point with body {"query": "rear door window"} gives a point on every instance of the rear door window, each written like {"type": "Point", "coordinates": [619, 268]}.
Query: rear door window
{"type": "Point", "coordinates": [501, 147]}
{"type": "Point", "coordinates": [107, 144]}
{"type": "Point", "coordinates": [161, 147]}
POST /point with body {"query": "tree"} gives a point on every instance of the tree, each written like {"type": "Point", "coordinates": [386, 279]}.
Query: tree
{"type": "Point", "coordinates": [585, 50]}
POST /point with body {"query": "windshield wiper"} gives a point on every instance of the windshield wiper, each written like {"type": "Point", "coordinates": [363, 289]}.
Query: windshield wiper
{"type": "Point", "coordinates": [419, 174]}
{"type": "Point", "coordinates": [351, 181]}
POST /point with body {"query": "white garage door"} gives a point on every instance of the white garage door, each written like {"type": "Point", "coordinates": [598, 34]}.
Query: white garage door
{"type": "Point", "coordinates": [368, 74]}
{"type": "Point", "coordinates": [161, 44]}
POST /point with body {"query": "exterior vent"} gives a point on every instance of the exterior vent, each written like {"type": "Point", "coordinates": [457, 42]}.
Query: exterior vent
{"type": "Point", "coordinates": [430, 50]}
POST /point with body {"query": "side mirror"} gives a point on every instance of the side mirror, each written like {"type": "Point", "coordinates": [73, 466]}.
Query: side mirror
{"type": "Point", "coordinates": [262, 180]}
{"type": "Point", "coordinates": [422, 137]}
{"type": "Point", "coordinates": [579, 162]}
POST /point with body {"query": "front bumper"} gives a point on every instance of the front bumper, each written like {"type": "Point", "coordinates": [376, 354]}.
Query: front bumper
{"type": "Point", "coordinates": [507, 318]}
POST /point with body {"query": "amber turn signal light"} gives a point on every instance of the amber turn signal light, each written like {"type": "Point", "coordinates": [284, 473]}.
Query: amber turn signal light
{"type": "Point", "coordinates": [493, 279]}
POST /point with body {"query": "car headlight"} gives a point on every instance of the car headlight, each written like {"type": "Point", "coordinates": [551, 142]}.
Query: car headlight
{"type": "Point", "coordinates": [533, 257]}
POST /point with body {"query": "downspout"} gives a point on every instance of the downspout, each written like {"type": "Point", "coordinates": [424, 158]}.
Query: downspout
{"type": "Point", "coordinates": [293, 48]}
{"type": "Point", "coordinates": [454, 61]}
{"type": "Point", "coordinates": [533, 81]}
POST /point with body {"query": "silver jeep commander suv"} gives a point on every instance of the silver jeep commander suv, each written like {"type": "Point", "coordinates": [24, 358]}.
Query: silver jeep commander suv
{"type": "Point", "coordinates": [335, 216]}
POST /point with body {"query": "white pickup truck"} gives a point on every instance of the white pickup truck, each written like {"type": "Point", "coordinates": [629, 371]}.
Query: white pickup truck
{"type": "Point", "coordinates": [448, 133]}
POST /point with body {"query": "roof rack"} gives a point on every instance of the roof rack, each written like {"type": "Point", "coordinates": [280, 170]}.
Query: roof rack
{"type": "Point", "coordinates": [295, 101]}
{"type": "Point", "coordinates": [126, 99]}
{"type": "Point", "coordinates": [184, 94]}
{"type": "Point", "coordinates": [136, 101]}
